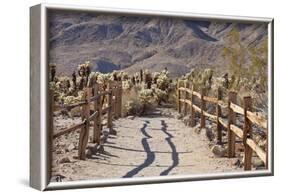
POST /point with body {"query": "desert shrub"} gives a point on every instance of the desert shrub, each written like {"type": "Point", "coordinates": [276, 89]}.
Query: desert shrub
{"type": "Point", "coordinates": [160, 95]}
{"type": "Point", "coordinates": [132, 107]}
{"type": "Point", "coordinates": [147, 100]}
{"type": "Point", "coordinates": [199, 78]}
{"type": "Point", "coordinates": [163, 80]}
{"type": "Point", "coordinates": [130, 102]}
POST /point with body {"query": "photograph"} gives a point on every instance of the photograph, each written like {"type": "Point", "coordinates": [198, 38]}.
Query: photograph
{"type": "Point", "coordinates": [149, 96]}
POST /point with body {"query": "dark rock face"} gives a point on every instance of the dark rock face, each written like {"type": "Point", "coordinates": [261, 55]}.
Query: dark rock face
{"type": "Point", "coordinates": [105, 66]}
{"type": "Point", "coordinates": [112, 42]}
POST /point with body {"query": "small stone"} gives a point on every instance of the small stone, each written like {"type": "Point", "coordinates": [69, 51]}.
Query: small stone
{"type": "Point", "coordinates": [70, 147]}
{"type": "Point", "coordinates": [64, 160]}
{"type": "Point", "coordinates": [130, 117]}
{"type": "Point", "coordinates": [178, 116]}
{"type": "Point", "coordinates": [89, 153]}
{"type": "Point", "coordinates": [257, 162]}
{"type": "Point", "coordinates": [218, 150]}
{"type": "Point", "coordinates": [59, 152]}
{"type": "Point", "coordinates": [197, 130]}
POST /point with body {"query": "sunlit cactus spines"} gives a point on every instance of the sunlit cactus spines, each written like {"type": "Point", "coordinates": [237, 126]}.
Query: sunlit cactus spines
{"type": "Point", "coordinates": [127, 84]}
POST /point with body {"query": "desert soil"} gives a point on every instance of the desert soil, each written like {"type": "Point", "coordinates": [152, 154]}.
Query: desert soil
{"type": "Point", "coordinates": [154, 145]}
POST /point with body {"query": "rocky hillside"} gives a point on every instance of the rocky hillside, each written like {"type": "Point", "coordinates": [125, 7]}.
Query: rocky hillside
{"type": "Point", "coordinates": [112, 42]}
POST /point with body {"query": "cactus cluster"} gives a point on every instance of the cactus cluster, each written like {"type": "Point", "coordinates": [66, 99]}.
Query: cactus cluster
{"type": "Point", "coordinates": [151, 89]}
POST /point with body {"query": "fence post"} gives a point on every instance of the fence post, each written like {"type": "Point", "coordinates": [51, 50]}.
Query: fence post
{"type": "Point", "coordinates": [50, 132]}
{"type": "Point", "coordinates": [96, 120]}
{"type": "Point", "coordinates": [179, 97]}
{"type": "Point", "coordinates": [218, 110]}
{"type": "Point", "coordinates": [247, 133]}
{"type": "Point", "coordinates": [109, 113]}
{"type": "Point", "coordinates": [120, 98]}
{"type": "Point", "coordinates": [192, 113]}
{"type": "Point", "coordinates": [232, 98]}
{"type": "Point", "coordinates": [266, 147]}
{"type": "Point", "coordinates": [185, 97]}
{"type": "Point", "coordinates": [203, 108]}
{"type": "Point", "coordinates": [99, 117]}
{"type": "Point", "coordinates": [116, 101]}
{"type": "Point", "coordinates": [84, 133]}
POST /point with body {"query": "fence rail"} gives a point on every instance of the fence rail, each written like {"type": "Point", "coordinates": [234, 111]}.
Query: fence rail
{"type": "Point", "coordinates": [230, 123]}
{"type": "Point", "coordinates": [96, 96]}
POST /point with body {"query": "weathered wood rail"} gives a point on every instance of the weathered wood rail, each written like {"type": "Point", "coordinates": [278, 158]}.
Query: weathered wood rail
{"type": "Point", "coordinates": [92, 99]}
{"type": "Point", "coordinates": [186, 96]}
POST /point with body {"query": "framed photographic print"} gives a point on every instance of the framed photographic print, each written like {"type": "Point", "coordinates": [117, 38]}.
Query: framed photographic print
{"type": "Point", "coordinates": [123, 97]}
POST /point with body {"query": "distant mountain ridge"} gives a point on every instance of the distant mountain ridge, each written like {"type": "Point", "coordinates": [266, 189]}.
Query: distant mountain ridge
{"type": "Point", "coordinates": [112, 42]}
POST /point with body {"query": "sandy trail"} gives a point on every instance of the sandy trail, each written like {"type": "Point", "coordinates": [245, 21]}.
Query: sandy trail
{"type": "Point", "coordinates": [147, 146]}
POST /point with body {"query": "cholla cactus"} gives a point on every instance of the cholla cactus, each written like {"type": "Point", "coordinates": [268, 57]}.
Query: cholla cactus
{"type": "Point", "coordinates": [200, 78]}
{"type": "Point", "coordinates": [163, 81]}
{"type": "Point", "coordinates": [69, 100]}
{"type": "Point", "coordinates": [124, 75]}
{"type": "Point", "coordinates": [127, 85]}
{"type": "Point", "coordinates": [93, 77]}
{"type": "Point", "coordinates": [148, 78]}
{"type": "Point", "coordinates": [146, 96]}
{"type": "Point", "coordinates": [81, 82]}
{"type": "Point", "coordinates": [132, 107]}
{"type": "Point", "coordinates": [161, 95]}
{"type": "Point", "coordinates": [84, 69]}
{"type": "Point", "coordinates": [155, 76]}
{"type": "Point", "coordinates": [103, 78]}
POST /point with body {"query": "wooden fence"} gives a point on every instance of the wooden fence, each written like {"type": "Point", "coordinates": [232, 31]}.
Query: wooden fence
{"type": "Point", "coordinates": [93, 99]}
{"type": "Point", "coordinates": [186, 97]}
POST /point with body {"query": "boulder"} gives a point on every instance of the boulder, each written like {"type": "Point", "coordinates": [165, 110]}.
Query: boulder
{"type": "Point", "coordinates": [89, 153]}
{"type": "Point", "coordinates": [219, 151]}
{"type": "Point", "coordinates": [64, 160]}
{"type": "Point", "coordinates": [257, 162]}
{"type": "Point", "coordinates": [75, 112]}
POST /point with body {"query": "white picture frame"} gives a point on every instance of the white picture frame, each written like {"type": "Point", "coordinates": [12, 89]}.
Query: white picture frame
{"type": "Point", "coordinates": [39, 136]}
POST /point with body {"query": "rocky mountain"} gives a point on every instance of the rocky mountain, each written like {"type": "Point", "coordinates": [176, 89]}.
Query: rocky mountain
{"type": "Point", "coordinates": [113, 42]}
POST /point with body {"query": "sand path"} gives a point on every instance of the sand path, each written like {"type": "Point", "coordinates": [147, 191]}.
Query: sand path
{"type": "Point", "coordinates": [147, 146]}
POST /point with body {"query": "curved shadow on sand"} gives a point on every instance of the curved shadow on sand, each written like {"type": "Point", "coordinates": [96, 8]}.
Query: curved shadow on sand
{"type": "Point", "coordinates": [150, 156]}
{"type": "Point", "coordinates": [175, 154]}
